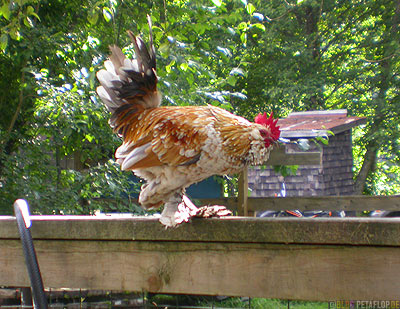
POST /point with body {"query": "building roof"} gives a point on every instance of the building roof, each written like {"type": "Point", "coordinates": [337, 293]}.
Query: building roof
{"type": "Point", "coordinates": [317, 123]}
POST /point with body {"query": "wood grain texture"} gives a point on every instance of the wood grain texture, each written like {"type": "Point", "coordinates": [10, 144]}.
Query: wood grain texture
{"type": "Point", "coordinates": [289, 258]}
{"type": "Point", "coordinates": [347, 203]}
{"type": "Point", "coordinates": [308, 272]}
{"type": "Point", "coordinates": [279, 156]}
{"type": "Point", "coordinates": [329, 231]}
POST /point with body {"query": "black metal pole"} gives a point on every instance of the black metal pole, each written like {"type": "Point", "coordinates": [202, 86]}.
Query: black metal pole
{"type": "Point", "coordinates": [21, 211]}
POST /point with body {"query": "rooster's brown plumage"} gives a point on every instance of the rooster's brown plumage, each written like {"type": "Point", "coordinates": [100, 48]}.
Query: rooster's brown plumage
{"type": "Point", "coordinates": [173, 147]}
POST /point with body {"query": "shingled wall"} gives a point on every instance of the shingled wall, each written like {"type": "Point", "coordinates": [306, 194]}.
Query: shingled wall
{"type": "Point", "coordinates": [333, 177]}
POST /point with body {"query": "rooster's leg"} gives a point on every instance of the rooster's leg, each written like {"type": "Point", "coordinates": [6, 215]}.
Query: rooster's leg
{"type": "Point", "coordinates": [168, 214]}
{"type": "Point", "coordinates": [177, 210]}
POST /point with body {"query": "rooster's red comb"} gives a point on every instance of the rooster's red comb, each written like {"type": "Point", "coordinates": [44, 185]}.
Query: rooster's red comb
{"type": "Point", "coordinates": [269, 122]}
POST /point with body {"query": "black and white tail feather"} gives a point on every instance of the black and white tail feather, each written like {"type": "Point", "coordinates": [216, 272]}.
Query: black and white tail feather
{"type": "Point", "coordinates": [128, 86]}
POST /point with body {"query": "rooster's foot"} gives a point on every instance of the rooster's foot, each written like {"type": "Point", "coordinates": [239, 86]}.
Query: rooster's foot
{"type": "Point", "coordinates": [213, 211]}
{"type": "Point", "coordinates": [174, 215]}
{"type": "Point", "coordinates": [188, 210]}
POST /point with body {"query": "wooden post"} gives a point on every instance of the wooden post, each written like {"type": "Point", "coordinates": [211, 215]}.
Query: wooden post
{"type": "Point", "coordinates": [26, 297]}
{"type": "Point", "coordinates": [243, 187]}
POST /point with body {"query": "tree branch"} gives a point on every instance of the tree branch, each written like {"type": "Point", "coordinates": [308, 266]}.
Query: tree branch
{"type": "Point", "coordinates": [17, 111]}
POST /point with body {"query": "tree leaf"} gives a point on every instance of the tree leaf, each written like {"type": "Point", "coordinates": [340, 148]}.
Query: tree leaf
{"type": "Point", "coordinates": [3, 41]}
{"type": "Point", "coordinates": [30, 10]}
{"type": "Point", "coordinates": [258, 16]}
{"type": "Point", "coordinates": [250, 8]}
{"type": "Point", "coordinates": [28, 22]}
{"type": "Point", "coordinates": [107, 14]}
{"type": "Point", "coordinates": [217, 2]}
{"type": "Point", "coordinates": [5, 10]}
{"type": "Point", "coordinates": [242, 26]}
{"type": "Point", "coordinates": [237, 71]}
{"type": "Point", "coordinates": [93, 16]}
{"type": "Point", "coordinates": [14, 34]}
{"type": "Point", "coordinates": [184, 66]}
{"type": "Point", "coordinates": [243, 38]}
{"type": "Point", "coordinates": [259, 26]}
{"type": "Point", "coordinates": [231, 80]}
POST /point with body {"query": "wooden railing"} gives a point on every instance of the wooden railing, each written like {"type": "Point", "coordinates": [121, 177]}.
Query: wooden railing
{"type": "Point", "coordinates": [347, 203]}
{"type": "Point", "coordinates": [288, 258]}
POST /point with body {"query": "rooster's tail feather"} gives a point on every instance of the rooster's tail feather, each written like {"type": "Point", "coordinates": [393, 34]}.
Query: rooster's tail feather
{"type": "Point", "coordinates": [128, 86]}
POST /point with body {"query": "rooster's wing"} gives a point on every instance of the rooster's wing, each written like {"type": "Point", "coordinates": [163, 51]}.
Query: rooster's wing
{"type": "Point", "coordinates": [164, 136]}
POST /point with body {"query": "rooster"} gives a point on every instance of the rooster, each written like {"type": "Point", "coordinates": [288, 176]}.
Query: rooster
{"type": "Point", "coordinates": [172, 147]}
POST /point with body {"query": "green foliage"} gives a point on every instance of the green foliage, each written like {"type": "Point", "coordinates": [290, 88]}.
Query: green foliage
{"type": "Point", "coordinates": [284, 170]}
{"type": "Point", "coordinates": [161, 300]}
{"type": "Point", "coordinates": [245, 56]}
{"type": "Point", "coordinates": [64, 125]}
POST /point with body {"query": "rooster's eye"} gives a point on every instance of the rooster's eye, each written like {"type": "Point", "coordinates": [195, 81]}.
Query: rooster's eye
{"type": "Point", "coordinates": [263, 133]}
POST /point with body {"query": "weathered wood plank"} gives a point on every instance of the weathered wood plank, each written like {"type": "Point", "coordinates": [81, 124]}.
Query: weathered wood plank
{"type": "Point", "coordinates": [347, 203]}
{"type": "Point", "coordinates": [279, 156]}
{"type": "Point", "coordinates": [8, 294]}
{"type": "Point", "coordinates": [308, 272]}
{"type": "Point", "coordinates": [332, 231]}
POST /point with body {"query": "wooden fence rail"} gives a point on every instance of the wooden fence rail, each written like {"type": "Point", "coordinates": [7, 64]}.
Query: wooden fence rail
{"type": "Point", "coordinates": [347, 203]}
{"type": "Point", "coordinates": [289, 258]}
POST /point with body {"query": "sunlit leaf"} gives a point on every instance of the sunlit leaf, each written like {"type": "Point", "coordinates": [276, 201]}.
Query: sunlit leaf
{"type": "Point", "coordinates": [5, 10]}
{"type": "Point", "coordinates": [243, 37]}
{"type": "Point", "coordinates": [184, 66]}
{"type": "Point", "coordinates": [250, 8]}
{"type": "Point", "coordinates": [242, 26]}
{"type": "Point", "coordinates": [259, 26]}
{"type": "Point", "coordinates": [168, 68]}
{"type": "Point", "coordinates": [237, 71]}
{"type": "Point", "coordinates": [28, 22]}
{"type": "Point", "coordinates": [217, 2]}
{"type": "Point", "coordinates": [15, 34]}
{"type": "Point", "coordinates": [225, 51]}
{"type": "Point", "coordinates": [30, 11]}
{"type": "Point", "coordinates": [107, 14]}
{"type": "Point", "coordinates": [239, 95]}
{"type": "Point", "coordinates": [3, 41]}
{"type": "Point", "coordinates": [89, 137]}
{"type": "Point", "coordinates": [258, 16]}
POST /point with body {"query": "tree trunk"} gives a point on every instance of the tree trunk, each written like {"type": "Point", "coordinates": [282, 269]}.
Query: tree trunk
{"type": "Point", "coordinates": [367, 166]}
{"type": "Point", "coordinates": [387, 67]}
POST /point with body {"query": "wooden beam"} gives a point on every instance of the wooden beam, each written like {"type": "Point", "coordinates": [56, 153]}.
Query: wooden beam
{"type": "Point", "coordinates": [347, 203]}
{"type": "Point", "coordinates": [9, 294]}
{"type": "Point", "coordinates": [305, 272]}
{"type": "Point", "coordinates": [310, 259]}
{"type": "Point", "coordinates": [279, 156]}
{"type": "Point", "coordinates": [332, 231]}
